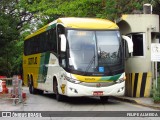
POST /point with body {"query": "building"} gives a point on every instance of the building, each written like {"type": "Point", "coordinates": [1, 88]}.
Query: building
{"type": "Point", "coordinates": [143, 29]}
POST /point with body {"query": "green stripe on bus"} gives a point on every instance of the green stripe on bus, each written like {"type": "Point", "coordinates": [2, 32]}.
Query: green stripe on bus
{"type": "Point", "coordinates": [43, 69]}
{"type": "Point", "coordinates": [110, 78]}
{"type": "Point", "coordinates": [51, 26]}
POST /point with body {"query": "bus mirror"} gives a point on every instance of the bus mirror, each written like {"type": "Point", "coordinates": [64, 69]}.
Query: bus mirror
{"type": "Point", "coordinates": [63, 42]}
{"type": "Point", "coordinates": [129, 43]}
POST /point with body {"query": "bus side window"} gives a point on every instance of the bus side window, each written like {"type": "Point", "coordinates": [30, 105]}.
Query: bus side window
{"type": "Point", "coordinates": [51, 41]}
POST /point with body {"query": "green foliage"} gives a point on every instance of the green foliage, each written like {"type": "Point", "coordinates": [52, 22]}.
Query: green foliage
{"type": "Point", "coordinates": [156, 6]}
{"type": "Point", "coordinates": [8, 37]}
{"type": "Point", "coordinates": [81, 8]}
{"type": "Point", "coordinates": [156, 91]}
{"type": "Point", "coordinates": [48, 10]}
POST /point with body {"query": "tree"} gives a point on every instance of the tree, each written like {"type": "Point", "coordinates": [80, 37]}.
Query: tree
{"type": "Point", "coordinates": [9, 36]}
{"type": "Point", "coordinates": [156, 6]}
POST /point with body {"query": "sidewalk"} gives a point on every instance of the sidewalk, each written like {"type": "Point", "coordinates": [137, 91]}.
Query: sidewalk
{"type": "Point", "coordinates": [147, 102]}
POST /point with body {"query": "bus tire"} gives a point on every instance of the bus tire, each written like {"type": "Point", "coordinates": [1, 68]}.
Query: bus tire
{"type": "Point", "coordinates": [40, 92]}
{"type": "Point", "coordinates": [55, 89]}
{"type": "Point", "coordinates": [28, 80]}
{"type": "Point", "coordinates": [32, 90]}
{"type": "Point", "coordinates": [104, 99]}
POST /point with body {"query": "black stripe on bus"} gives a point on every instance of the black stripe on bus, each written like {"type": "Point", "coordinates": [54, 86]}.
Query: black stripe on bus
{"type": "Point", "coordinates": [143, 84]}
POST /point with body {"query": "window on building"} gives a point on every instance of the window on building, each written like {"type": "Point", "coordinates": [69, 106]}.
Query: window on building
{"type": "Point", "coordinates": [138, 45]}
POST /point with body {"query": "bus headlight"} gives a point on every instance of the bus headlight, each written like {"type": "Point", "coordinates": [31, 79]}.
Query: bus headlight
{"type": "Point", "coordinates": [72, 80]}
{"type": "Point", "coordinates": [121, 80]}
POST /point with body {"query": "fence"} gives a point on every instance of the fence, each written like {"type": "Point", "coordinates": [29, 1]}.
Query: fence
{"type": "Point", "coordinates": [8, 81]}
{"type": "Point", "coordinates": [15, 92]}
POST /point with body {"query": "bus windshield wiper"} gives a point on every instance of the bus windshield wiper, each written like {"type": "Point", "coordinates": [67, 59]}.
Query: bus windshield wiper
{"type": "Point", "coordinates": [89, 65]}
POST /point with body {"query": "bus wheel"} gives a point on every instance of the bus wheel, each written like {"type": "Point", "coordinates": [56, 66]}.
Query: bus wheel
{"type": "Point", "coordinates": [28, 80]}
{"type": "Point", "coordinates": [32, 90]}
{"type": "Point", "coordinates": [55, 89]}
{"type": "Point", "coordinates": [40, 92]}
{"type": "Point", "coordinates": [104, 99]}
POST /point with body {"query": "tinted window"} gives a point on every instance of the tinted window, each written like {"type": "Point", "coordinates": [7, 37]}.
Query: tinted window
{"type": "Point", "coordinates": [41, 43]}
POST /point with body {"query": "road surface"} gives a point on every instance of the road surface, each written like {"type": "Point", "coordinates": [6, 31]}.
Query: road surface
{"type": "Point", "coordinates": [81, 105]}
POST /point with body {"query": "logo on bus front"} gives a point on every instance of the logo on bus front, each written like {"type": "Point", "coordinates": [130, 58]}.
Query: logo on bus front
{"type": "Point", "coordinates": [98, 85]}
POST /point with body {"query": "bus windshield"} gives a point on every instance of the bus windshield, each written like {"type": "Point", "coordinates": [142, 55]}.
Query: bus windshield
{"type": "Point", "coordinates": [96, 52]}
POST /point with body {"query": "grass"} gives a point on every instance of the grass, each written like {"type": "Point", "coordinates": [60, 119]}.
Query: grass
{"type": "Point", "coordinates": [156, 91]}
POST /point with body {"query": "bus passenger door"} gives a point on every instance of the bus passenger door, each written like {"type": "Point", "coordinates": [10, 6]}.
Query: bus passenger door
{"type": "Point", "coordinates": [61, 53]}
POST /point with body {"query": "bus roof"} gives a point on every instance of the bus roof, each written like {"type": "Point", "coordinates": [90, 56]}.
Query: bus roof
{"type": "Point", "coordinates": [81, 23]}
{"type": "Point", "coordinates": [87, 23]}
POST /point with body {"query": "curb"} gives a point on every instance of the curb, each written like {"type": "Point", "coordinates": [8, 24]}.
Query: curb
{"type": "Point", "coordinates": [154, 106]}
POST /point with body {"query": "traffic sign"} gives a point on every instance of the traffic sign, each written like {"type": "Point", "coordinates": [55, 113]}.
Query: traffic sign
{"type": "Point", "coordinates": [155, 52]}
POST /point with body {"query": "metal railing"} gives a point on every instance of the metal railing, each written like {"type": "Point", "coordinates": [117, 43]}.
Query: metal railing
{"type": "Point", "coordinates": [15, 92]}
{"type": "Point", "coordinates": [8, 81]}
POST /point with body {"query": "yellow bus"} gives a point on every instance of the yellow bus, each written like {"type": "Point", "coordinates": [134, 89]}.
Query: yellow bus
{"type": "Point", "coordinates": [76, 57]}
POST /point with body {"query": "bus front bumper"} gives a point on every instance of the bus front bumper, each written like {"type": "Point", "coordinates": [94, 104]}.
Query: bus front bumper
{"type": "Point", "coordinates": [74, 90]}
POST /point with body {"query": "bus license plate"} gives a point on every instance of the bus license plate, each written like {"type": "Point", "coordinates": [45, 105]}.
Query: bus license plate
{"type": "Point", "coordinates": [97, 93]}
